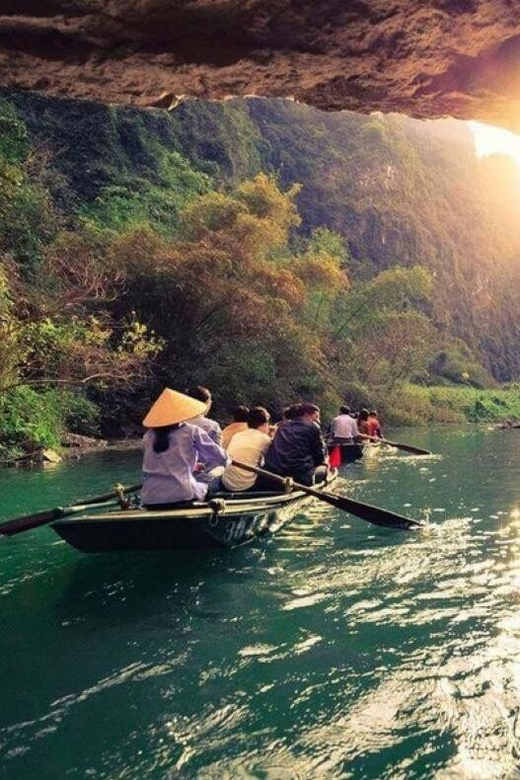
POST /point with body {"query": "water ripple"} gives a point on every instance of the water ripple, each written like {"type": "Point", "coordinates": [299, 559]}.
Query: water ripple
{"type": "Point", "coordinates": [335, 649]}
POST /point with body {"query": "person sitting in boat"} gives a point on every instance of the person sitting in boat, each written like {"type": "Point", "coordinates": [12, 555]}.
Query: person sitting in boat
{"type": "Point", "coordinates": [343, 428]}
{"type": "Point", "coordinates": [172, 448]}
{"type": "Point", "coordinates": [211, 427]}
{"type": "Point", "coordinates": [362, 424]}
{"type": "Point", "coordinates": [374, 425]}
{"type": "Point", "coordinates": [240, 414]}
{"type": "Point", "coordinates": [290, 413]}
{"type": "Point", "coordinates": [249, 446]}
{"type": "Point", "coordinates": [297, 449]}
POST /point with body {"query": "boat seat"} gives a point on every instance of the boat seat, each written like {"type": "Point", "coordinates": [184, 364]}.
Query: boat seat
{"type": "Point", "coordinates": [221, 494]}
{"type": "Point", "coordinates": [175, 505]}
{"type": "Point", "coordinates": [247, 494]}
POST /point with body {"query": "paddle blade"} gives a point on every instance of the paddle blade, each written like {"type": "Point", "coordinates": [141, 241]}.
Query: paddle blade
{"type": "Point", "coordinates": [372, 514]}
{"type": "Point", "coordinates": [335, 457]}
{"type": "Point", "coordinates": [19, 524]}
{"type": "Point", "coordinates": [406, 447]}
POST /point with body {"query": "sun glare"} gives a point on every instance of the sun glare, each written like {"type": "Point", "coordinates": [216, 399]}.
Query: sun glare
{"type": "Point", "coordinates": [495, 140]}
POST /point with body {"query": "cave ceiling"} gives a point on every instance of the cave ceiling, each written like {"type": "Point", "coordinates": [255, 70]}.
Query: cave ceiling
{"type": "Point", "coordinates": [425, 58]}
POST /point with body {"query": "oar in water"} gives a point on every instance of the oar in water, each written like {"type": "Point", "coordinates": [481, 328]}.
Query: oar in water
{"type": "Point", "coordinates": [26, 523]}
{"type": "Point", "coordinates": [405, 447]}
{"type": "Point", "coordinates": [372, 514]}
{"type": "Point", "coordinates": [397, 444]}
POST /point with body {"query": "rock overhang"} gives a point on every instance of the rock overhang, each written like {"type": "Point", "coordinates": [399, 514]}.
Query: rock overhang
{"type": "Point", "coordinates": [425, 58]}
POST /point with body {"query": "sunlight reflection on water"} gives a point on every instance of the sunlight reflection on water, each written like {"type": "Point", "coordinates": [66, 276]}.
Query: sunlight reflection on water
{"type": "Point", "coordinates": [334, 649]}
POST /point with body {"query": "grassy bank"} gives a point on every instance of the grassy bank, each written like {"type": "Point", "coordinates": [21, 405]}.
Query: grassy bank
{"type": "Point", "coordinates": [420, 404]}
{"type": "Point", "coordinates": [30, 421]}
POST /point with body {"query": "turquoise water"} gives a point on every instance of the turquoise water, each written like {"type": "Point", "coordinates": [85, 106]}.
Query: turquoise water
{"type": "Point", "coordinates": [334, 649]}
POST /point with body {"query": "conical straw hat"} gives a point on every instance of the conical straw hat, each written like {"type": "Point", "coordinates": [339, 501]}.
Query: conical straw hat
{"type": "Point", "coordinates": [172, 407]}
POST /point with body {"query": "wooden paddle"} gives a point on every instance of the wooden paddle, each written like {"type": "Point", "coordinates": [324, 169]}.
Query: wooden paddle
{"type": "Point", "coordinates": [372, 514]}
{"type": "Point", "coordinates": [405, 447]}
{"type": "Point", "coordinates": [26, 523]}
{"type": "Point", "coordinates": [397, 444]}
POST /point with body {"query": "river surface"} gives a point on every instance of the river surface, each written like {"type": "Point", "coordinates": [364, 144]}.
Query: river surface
{"type": "Point", "coordinates": [333, 649]}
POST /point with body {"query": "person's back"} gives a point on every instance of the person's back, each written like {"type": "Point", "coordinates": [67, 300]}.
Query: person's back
{"type": "Point", "coordinates": [172, 449]}
{"type": "Point", "coordinates": [248, 447]}
{"type": "Point", "coordinates": [168, 476]}
{"type": "Point", "coordinates": [297, 448]}
{"type": "Point", "coordinates": [362, 423]}
{"type": "Point", "coordinates": [239, 423]}
{"type": "Point", "coordinates": [343, 427]}
{"type": "Point", "coordinates": [374, 426]}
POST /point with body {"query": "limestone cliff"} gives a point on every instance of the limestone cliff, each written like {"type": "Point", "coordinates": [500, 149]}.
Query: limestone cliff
{"type": "Point", "coordinates": [426, 58]}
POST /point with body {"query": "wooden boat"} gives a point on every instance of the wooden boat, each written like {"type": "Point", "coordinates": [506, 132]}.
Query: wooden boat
{"type": "Point", "coordinates": [349, 452]}
{"type": "Point", "coordinates": [355, 451]}
{"type": "Point", "coordinates": [227, 520]}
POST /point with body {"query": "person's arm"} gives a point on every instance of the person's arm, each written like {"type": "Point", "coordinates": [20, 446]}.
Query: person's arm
{"type": "Point", "coordinates": [364, 432]}
{"type": "Point", "coordinates": [318, 447]}
{"type": "Point", "coordinates": [265, 446]}
{"type": "Point", "coordinates": [208, 452]}
{"type": "Point", "coordinates": [215, 434]}
{"type": "Point", "coordinates": [217, 438]}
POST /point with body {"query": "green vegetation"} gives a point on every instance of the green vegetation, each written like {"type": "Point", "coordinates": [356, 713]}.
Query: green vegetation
{"type": "Point", "coordinates": [31, 420]}
{"type": "Point", "coordinates": [457, 405]}
{"type": "Point", "coordinates": [252, 246]}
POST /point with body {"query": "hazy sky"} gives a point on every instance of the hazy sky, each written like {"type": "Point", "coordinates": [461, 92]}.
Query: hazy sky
{"type": "Point", "coordinates": [494, 140]}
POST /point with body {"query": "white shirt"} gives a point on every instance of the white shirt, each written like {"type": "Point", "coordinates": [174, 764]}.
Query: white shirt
{"type": "Point", "coordinates": [249, 446]}
{"type": "Point", "coordinates": [344, 427]}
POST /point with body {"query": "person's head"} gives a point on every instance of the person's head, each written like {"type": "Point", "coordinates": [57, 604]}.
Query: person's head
{"type": "Point", "coordinates": [363, 415]}
{"type": "Point", "coordinates": [240, 414]}
{"type": "Point", "coordinates": [200, 394]}
{"type": "Point", "coordinates": [290, 412]}
{"type": "Point", "coordinates": [310, 412]}
{"type": "Point", "coordinates": [373, 414]}
{"type": "Point", "coordinates": [168, 412]}
{"type": "Point", "coordinates": [258, 418]}
{"type": "Point", "coordinates": [344, 409]}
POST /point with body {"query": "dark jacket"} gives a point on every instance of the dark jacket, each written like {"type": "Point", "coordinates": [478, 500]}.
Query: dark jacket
{"type": "Point", "coordinates": [296, 450]}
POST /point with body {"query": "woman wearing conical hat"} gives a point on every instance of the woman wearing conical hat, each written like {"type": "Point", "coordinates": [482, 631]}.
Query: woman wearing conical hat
{"type": "Point", "coordinates": [172, 449]}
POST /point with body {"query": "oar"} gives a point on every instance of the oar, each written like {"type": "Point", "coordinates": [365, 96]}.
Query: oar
{"type": "Point", "coordinates": [26, 523]}
{"type": "Point", "coordinates": [397, 444]}
{"type": "Point", "coordinates": [405, 447]}
{"type": "Point", "coordinates": [372, 514]}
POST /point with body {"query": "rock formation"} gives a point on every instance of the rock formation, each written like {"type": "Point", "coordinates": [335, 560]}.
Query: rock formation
{"type": "Point", "coordinates": [426, 58]}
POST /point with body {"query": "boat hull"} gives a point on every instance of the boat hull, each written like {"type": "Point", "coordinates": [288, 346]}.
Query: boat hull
{"type": "Point", "coordinates": [203, 526]}
{"type": "Point", "coordinates": [349, 452]}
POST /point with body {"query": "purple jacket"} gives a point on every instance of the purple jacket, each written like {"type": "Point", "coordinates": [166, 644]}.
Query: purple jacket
{"type": "Point", "coordinates": [168, 476]}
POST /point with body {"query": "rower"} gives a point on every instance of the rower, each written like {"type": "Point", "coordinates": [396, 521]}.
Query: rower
{"type": "Point", "coordinates": [362, 424]}
{"type": "Point", "coordinates": [374, 425]}
{"type": "Point", "coordinates": [172, 449]}
{"type": "Point", "coordinates": [297, 449]}
{"type": "Point", "coordinates": [343, 428]}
